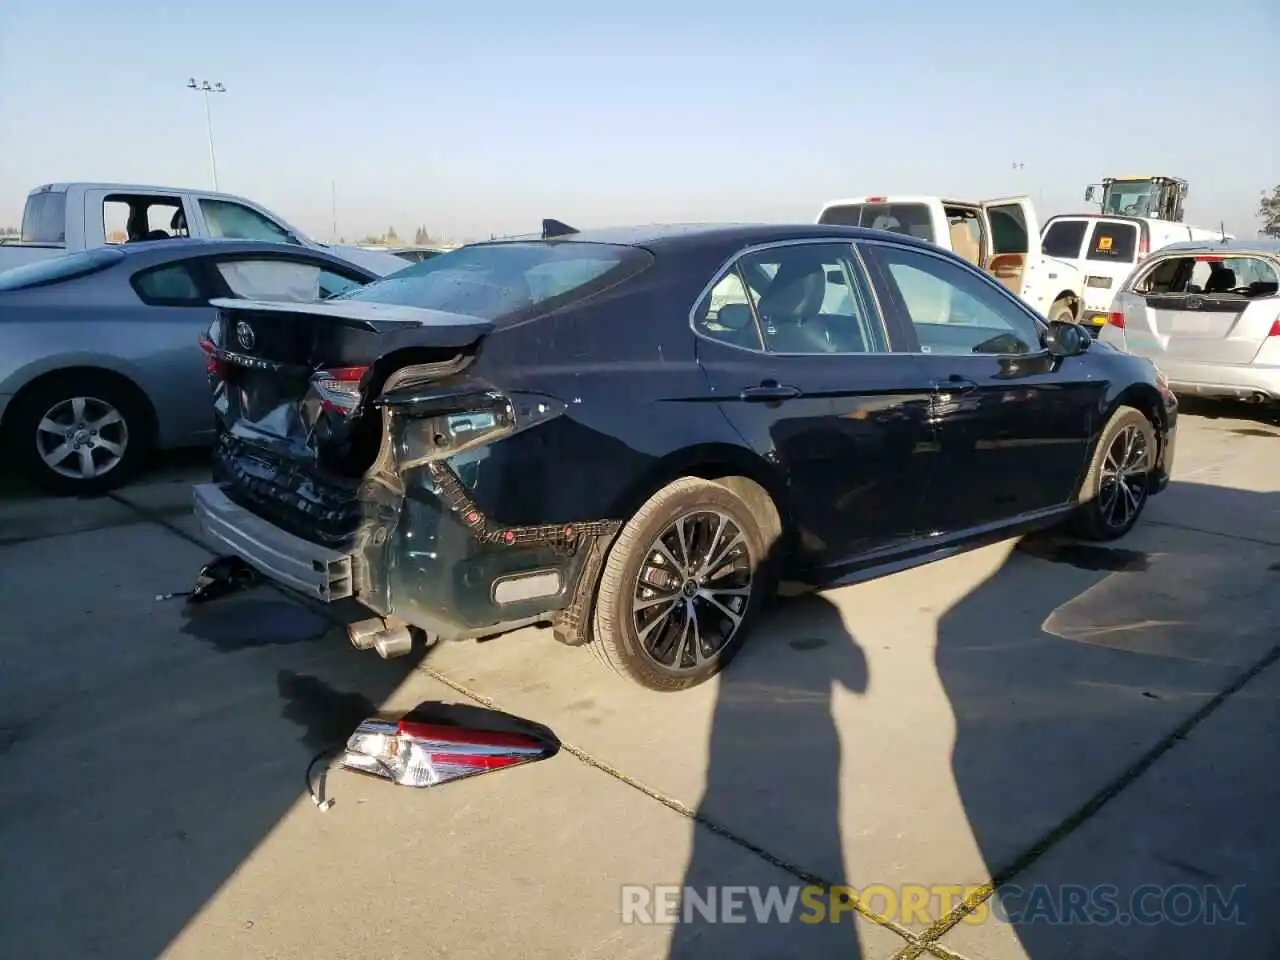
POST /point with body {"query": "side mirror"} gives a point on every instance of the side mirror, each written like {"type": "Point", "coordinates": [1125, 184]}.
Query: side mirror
{"type": "Point", "coordinates": [1066, 339]}
{"type": "Point", "coordinates": [1088, 194]}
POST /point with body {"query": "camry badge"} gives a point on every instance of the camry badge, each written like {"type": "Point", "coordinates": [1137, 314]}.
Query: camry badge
{"type": "Point", "coordinates": [244, 335]}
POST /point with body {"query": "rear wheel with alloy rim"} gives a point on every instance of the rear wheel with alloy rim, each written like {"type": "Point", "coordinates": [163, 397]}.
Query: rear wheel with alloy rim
{"type": "Point", "coordinates": [683, 582]}
{"type": "Point", "coordinates": [80, 435]}
{"type": "Point", "coordinates": [1116, 488]}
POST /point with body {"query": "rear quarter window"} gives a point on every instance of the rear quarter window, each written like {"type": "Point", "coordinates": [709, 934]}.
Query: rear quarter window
{"type": "Point", "coordinates": [1064, 238]}
{"type": "Point", "coordinates": [1113, 242]}
{"type": "Point", "coordinates": [909, 219]}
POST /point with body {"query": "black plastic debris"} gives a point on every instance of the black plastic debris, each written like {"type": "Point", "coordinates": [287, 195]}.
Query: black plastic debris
{"type": "Point", "coordinates": [437, 743]}
{"type": "Point", "coordinates": [223, 576]}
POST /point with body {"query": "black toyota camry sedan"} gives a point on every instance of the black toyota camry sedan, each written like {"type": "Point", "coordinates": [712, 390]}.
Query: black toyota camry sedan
{"type": "Point", "coordinates": [633, 435]}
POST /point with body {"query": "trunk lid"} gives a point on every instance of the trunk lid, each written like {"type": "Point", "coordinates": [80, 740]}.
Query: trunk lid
{"type": "Point", "coordinates": [292, 381]}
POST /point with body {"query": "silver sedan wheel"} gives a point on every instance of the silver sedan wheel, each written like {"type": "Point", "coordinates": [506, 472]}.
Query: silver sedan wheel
{"type": "Point", "coordinates": [82, 438]}
{"type": "Point", "coordinates": [692, 590]}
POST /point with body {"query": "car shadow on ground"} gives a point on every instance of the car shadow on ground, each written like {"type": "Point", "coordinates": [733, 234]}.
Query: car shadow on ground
{"type": "Point", "coordinates": [1072, 672]}
{"type": "Point", "coordinates": [1265, 414]}
{"type": "Point", "coordinates": [1066, 670]}
{"type": "Point", "coordinates": [125, 812]}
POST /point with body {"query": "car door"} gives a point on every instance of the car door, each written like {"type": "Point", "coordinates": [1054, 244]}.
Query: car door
{"type": "Point", "coordinates": [1013, 243]}
{"type": "Point", "coordinates": [790, 339]}
{"type": "Point", "coordinates": [1012, 422]}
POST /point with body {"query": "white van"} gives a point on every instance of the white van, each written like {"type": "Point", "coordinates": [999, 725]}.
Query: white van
{"type": "Point", "coordinates": [1107, 249]}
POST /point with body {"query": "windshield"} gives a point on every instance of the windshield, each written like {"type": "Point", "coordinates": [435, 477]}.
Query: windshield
{"type": "Point", "coordinates": [498, 281]}
{"type": "Point", "coordinates": [56, 269]}
{"type": "Point", "coordinates": [1133, 198]}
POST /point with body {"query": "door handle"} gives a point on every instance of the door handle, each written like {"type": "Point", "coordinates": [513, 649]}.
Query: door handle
{"type": "Point", "coordinates": [955, 384]}
{"type": "Point", "coordinates": [770, 391]}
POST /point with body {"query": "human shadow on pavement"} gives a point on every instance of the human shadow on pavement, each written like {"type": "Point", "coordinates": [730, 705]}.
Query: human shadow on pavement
{"type": "Point", "coordinates": [773, 783]}
{"type": "Point", "coordinates": [183, 742]}
{"type": "Point", "coordinates": [1095, 785]}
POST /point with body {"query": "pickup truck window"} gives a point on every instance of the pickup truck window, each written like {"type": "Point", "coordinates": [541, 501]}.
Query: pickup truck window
{"type": "Point", "coordinates": [234, 221]}
{"type": "Point", "coordinates": [1008, 229]}
{"type": "Point", "coordinates": [132, 218]}
{"type": "Point", "coordinates": [45, 218]}
{"type": "Point", "coordinates": [1064, 238]}
{"type": "Point", "coordinates": [1113, 242]}
{"type": "Point", "coordinates": [911, 219]}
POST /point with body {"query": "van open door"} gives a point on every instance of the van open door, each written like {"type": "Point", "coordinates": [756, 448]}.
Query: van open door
{"type": "Point", "coordinates": [1013, 241]}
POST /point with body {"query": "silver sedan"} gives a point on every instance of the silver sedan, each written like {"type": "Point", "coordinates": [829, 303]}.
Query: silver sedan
{"type": "Point", "coordinates": [1207, 314]}
{"type": "Point", "coordinates": [100, 360]}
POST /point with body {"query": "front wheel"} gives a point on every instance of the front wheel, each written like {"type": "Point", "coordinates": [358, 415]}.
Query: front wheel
{"type": "Point", "coordinates": [684, 581]}
{"type": "Point", "coordinates": [1116, 488]}
{"type": "Point", "coordinates": [1061, 312]}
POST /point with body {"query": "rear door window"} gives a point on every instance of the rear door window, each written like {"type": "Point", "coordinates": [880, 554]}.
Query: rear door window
{"type": "Point", "coordinates": [909, 219]}
{"type": "Point", "coordinates": [1064, 238]}
{"type": "Point", "coordinates": [171, 285]}
{"type": "Point", "coordinates": [1113, 242]}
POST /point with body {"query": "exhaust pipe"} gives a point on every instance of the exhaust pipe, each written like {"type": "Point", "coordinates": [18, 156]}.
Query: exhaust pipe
{"type": "Point", "coordinates": [363, 633]}
{"type": "Point", "coordinates": [393, 642]}
{"type": "Point", "coordinates": [389, 638]}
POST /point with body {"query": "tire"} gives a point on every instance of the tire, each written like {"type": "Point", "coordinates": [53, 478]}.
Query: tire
{"type": "Point", "coordinates": [664, 658]}
{"type": "Point", "coordinates": [1061, 312]}
{"type": "Point", "coordinates": [1105, 512]}
{"type": "Point", "coordinates": [117, 448]}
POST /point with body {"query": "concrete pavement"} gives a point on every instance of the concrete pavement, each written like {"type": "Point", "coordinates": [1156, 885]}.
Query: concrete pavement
{"type": "Point", "coordinates": [1047, 717]}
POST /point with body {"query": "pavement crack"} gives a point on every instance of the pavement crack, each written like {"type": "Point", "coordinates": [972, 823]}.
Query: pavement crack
{"type": "Point", "coordinates": [1212, 533]}
{"type": "Point", "coordinates": [1096, 803]}
{"type": "Point", "coordinates": [671, 803]}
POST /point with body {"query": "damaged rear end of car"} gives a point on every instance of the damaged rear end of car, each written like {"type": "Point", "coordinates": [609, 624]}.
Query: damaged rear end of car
{"type": "Point", "coordinates": [349, 436]}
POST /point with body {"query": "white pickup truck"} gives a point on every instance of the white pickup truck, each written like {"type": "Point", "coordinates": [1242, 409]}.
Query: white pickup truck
{"type": "Point", "coordinates": [1001, 236]}
{"type": "Point", "coordinates": [64, 218]}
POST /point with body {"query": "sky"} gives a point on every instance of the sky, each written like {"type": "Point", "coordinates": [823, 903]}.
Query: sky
{"type": "Point", "coordinates": [479, 118]}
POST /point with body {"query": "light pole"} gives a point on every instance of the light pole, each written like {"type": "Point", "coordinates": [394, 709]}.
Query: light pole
{"type": "Point", "coordinates": [205, 87]}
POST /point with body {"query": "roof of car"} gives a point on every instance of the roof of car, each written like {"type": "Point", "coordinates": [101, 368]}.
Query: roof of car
{"type": "Point", "coordinates": [677, 234]}
{"type": "Point", "coordinates": [193, 245]}
{"type": "Point", "coordinates": [1269, 245]}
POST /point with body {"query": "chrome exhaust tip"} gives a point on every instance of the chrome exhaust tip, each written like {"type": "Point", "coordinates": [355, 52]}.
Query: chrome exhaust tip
{"type": "Point", "coordinates": [393, 642]}
{"type": "Point", "coordinates": [363, 633]}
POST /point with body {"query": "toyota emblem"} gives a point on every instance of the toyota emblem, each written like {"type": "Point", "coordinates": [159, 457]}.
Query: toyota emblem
{"type": "Point", "coordinates": [244, 335]}
{"type": "Point", "coordinates": [1195, 303]}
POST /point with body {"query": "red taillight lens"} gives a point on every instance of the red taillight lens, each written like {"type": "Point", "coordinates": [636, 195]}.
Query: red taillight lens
{"type": "Point", "coordinates": [420, 754]}
{"type": "Point", "coordinates": [212, 365]}
{"type": "Point", "coordinates": [339, 388]}
{"type": "Point", "coordinates": [1275, 329]}
{"type": "Point", "coordinates": [1116, 319]}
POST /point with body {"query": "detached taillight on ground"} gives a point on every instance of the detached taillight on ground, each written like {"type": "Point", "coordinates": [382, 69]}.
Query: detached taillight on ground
{"type": "Point", "coordinates": [1116, 319]}
{"type": "Point", "coordinates": [419, 754]}
{"type": "Point", "coordinates": [339, 388]}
